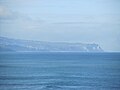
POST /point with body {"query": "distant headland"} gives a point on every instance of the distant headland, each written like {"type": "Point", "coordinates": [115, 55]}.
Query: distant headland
{"type": "Point", "coordinates": [8, 44]}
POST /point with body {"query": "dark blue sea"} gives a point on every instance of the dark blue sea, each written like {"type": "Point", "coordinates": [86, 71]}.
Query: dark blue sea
{"type": "Point", "coordinates": [59, 71]}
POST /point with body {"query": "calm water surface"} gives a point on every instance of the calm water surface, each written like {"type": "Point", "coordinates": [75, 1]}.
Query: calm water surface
{"type": "Point", "coordinates": [59, 71]}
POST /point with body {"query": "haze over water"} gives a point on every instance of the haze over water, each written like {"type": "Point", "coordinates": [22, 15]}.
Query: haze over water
{"type": "Point", "coordinates": [87, 25]}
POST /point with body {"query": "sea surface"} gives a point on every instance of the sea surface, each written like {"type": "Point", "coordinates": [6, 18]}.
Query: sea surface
{"type": "Point", "coordinates": [59, 71]}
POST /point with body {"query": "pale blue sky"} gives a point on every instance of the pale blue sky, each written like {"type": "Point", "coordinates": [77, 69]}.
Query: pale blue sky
{"type": "Point", "coordinates": [87, 21]}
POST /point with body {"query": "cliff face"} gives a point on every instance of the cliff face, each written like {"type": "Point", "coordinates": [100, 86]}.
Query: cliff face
{"type": "Point", "coordinates": [7, 44]}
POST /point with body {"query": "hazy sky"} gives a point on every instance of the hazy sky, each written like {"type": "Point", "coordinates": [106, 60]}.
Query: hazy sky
{"type": "Point", "coordinates": [87, 21]}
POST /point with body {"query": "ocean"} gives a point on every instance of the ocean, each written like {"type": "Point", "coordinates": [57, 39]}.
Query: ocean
{"type": "Point", "coordinates": [59, 71]}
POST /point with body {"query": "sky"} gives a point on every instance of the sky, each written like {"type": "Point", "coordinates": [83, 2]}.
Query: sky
{"type": "Point", "coordinates": [84, 21]}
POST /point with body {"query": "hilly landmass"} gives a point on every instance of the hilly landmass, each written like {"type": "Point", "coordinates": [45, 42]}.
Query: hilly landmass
{"type": "Point", "coordinates": [8, 44]}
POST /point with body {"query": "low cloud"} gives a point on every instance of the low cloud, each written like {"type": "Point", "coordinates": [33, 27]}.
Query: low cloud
{"type": "Point", "coordinates": [10, 18]}
{"type": "Point", "coordinates": [4, 12]}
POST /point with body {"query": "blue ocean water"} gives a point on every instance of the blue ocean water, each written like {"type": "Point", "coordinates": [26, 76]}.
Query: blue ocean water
{"type": "Point", "coordinates": [59, 71]}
